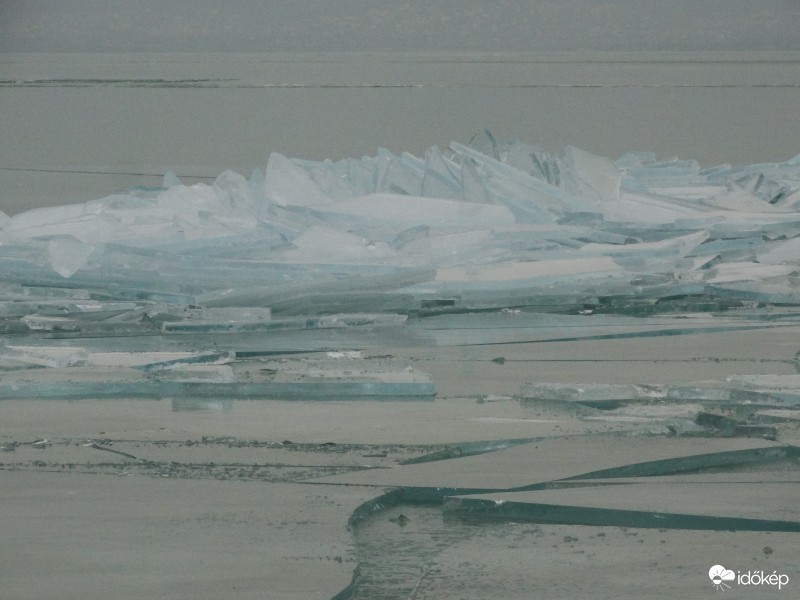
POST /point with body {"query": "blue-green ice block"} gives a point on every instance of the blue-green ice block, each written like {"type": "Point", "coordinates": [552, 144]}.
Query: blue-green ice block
{"type": "Point", "coordinates": [148, 389]}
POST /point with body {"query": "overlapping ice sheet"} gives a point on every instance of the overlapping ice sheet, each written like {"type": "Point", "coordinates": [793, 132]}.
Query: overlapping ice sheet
{"type": "Point", "coordinates": [323, 255]}
{"type": "Point", "coordinates": [486, 217]}
{"type": "Point", "coordinates": [761, 390]}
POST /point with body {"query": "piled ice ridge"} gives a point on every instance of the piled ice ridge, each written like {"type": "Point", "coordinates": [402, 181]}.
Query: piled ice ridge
{"type": "Point", "coordinates": [311, 256]}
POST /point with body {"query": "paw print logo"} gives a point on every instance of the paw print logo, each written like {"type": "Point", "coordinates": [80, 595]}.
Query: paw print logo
{"type": "Point", "coordinates": [719, 575]}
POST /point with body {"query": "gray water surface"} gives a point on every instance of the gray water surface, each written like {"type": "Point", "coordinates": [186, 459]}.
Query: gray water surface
{"type": "Point", "coordinates": [79, 127]}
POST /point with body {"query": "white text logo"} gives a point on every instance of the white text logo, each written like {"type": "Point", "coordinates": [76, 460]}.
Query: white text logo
{"type": "Point", "coordinates": [721, 578]}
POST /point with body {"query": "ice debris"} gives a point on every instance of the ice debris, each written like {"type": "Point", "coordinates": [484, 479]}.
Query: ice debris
{"type": "Point", "coordinates": [781, 391]}
{"type": "Point", "coordinates": [426, 226]}
{"type": "Point", "coordinates": [323, 256]}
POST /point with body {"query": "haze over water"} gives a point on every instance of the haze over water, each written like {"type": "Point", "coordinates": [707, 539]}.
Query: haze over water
{"type": "Point", "coordinates": [79, 127]}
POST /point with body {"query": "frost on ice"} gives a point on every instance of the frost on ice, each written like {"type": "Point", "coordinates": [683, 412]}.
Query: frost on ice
{"type": "Point", "coordinates": [334, 256]}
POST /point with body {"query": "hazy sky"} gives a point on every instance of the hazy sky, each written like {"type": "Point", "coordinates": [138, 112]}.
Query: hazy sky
{"type": "Point", "coordinates": [396, 25]}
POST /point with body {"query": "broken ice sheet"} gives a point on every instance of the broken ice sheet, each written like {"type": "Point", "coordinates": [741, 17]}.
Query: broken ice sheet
{"type": "Point", "coordinates": [288, 184]}
{"type": "Point", "coordinates": [44, 356]}
{"type": "Point", "coordinates": [67, 255]}
{"type": "Point", "coordinates": [299, 379]}
{"type": "Point", "coordinates": [787, 252]}
{"type": "Point", "coordinates": [366, 253]}
{"type": "Point", "coordinates": [593, 174]}
{"type": "Point", "coordinates": [403, 212]}
{"type": "Point", "coordinates": [762, 390]}
{"type": "Point", "coordinates": [323, 245]}
{"type": "Point", "coordinates": [152, 361]}
{"type": "Point", "coordinates": [530, 465]}
{"type": "Point", "coordinates": [745, 506]}
{"type": "Point", "coordinates": [549, 270]}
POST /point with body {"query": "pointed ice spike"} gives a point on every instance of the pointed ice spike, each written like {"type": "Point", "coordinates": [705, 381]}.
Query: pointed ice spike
{"type": "Point", "coordinates": [474, 188]}
{"type": "Point", "coordinates": [287, 184]}
{"type": "Point", "coordinates": [398, 179]}
{"type": "Point", "coordinates": [540, 193]}
{"type": "Point", "coordinates": [546, 166]}
{"type": "Point", "coordinates": [439, 180]}
{"type": "Point", "coordinates": [484, 142]}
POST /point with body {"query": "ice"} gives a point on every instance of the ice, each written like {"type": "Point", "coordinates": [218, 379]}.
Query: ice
{"type": "Point", "coordinates": [151, 361]}
{"type": "Point", "coordinates": [64, 356]}
{"type": "Point", "coordinates": [593, 174]}
{"type": "Point", "coordinates": [288, 184]}
{"type": "Point", "coordinates": [748, 271]}
{"type": "Point", "coordinates": [323, 245]}
{"type": "Point", "coordinates": [256, 380]}
{"type": "Point", "coordinates": [67, 255]}
{"type": "Point", "coordinates": [250, 314]}
{"type": "Point", "coordinates": [760, 390]}
{"type": "Point", "coordinates": [393, 211]}
{"type": "Point", "coordinates": [160, 290]}
{"type": "Point", "coordinates": [170, 179]}
{"type": "Point", "coordinates": [28, 224]}
{"type": "Point", "coordinates": [787, 252]}
{"type": "Point", "coordinates": [550, 270]}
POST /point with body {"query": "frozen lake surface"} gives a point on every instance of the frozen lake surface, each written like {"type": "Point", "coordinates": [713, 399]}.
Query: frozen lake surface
{"type": "Point", "coordinates": [190, 365]}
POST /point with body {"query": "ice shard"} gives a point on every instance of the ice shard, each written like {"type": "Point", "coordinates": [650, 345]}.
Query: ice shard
{"type": "Point", "coordinates": [285, 183]}
{"type": "Point", "coordinates": [593, 174]}
{"type": "Point", "coordinates": [759, 390]}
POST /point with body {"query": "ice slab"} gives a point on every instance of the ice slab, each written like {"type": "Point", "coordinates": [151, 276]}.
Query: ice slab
{"type": "Point", "coordinates": [320, 244]}
{"type": "Point", "coordinates": [772, 390]}
{"type": "Point", "coordinates": [551, 269]}
{"type": "Point", "coordinates": [756, 506]}
{"type": "Point", "coordinates": [67, 255]}
{"type": "Point", "coordinates": [514, 326]}
{"type": "Point", "coordinates": [211, 377]}
{"type": "Point", "coordinates": [155, 360]}
{"type": "Point", "coordinates": [570, 457]}
{"type": "Point", "coordinates": [787, 252]}
{"type": "Point", "coordinates": [285, 183]}
{"type": "Point", "coordinates": [396, 211]}
{"type": "Point", "coordinates": [593, 173]}
{"type": "Point", "coordinates": [44, 356]}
